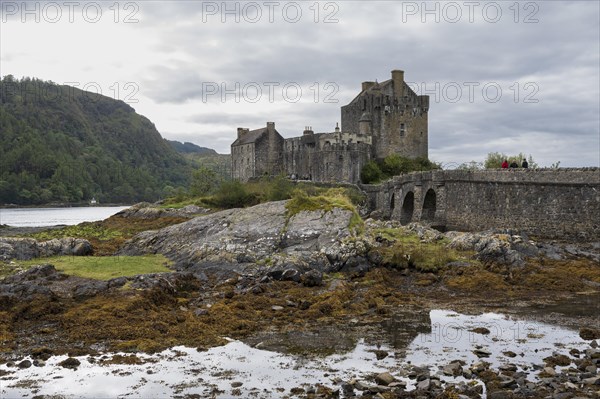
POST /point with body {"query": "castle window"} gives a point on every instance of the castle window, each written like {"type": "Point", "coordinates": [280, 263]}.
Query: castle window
{"type": "Point", "coordinates": [364, 104]}
{"type": "Point", "coordinates": [402, 129]}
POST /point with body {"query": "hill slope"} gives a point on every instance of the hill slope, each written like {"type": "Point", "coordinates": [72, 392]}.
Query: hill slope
{"type": "Point", "coordinates": [190, 148]}
{"type": "Point", "coordinates": [61, 144]}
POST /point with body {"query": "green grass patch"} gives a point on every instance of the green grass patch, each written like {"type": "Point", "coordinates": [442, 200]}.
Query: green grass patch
{"type": "Point", "coordinates": [105, 267]}
{"type": "Point", "coordinates": [332, 198]}
{"type": "Point", "coordinates": [232, 194]}
{"type": "Point", "coordinates": [173, 204]}
{"type": "Point", "coordinates": [407, 251]}
{"type": "Point", "coordinates": [327, 201]}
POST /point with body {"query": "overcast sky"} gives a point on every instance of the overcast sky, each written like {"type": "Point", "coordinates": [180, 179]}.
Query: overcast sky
{"type": "Point", "coordinates": [502, 76]}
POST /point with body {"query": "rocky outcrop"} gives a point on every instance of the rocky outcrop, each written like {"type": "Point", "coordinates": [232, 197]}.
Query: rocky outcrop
{"type": "Point", "coordinates": [264, 235]}
{"type": "Point", "coordinates": [494, 247]}
{"type": "Point", "coordinates": [28, 248]}
{"type": "Point", "coordinates": [145, 210]}
{"type": "Point", "coordinates": [513, 248]}
{"type": "Point", "coordinates": [46, 281]}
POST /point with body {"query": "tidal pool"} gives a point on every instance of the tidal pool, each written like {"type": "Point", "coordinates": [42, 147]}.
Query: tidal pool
{"type": "Point", "coordinates": [238, 369]}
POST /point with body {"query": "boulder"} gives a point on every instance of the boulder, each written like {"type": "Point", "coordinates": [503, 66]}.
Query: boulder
{"type": "Point", "coordinates": [288, 246]}
{"type": "Point", "coordinates": [28, 248]}
{"type": "Point", "coordinates": [384, 379]}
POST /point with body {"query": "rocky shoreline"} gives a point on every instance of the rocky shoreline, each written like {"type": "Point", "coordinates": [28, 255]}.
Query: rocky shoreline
{"type": "Point", "coordinates": [241, 272]}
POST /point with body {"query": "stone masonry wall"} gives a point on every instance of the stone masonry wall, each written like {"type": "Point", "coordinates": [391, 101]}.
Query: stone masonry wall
{"type": "Point", "coordinates": [327, 163]}
{"type": "Point", "coordinates": [554, 203]}
{"type": "Point", "coordinates": [243, 161]}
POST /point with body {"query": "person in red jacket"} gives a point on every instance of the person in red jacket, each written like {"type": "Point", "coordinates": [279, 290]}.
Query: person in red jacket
{"type": "Point", "coordinates": [505, 164]}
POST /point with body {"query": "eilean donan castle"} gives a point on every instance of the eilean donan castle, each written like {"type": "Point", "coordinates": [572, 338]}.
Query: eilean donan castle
{"type": "Point", "coordinates": [383, 119]}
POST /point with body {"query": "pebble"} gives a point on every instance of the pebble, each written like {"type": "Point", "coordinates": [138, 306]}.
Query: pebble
{"type": "Point", "coordinates": [424, 385]}
{"type": "Point", "coordinates": [591, 381]}
{"type": "Point", "coordinates": [25, 364]}
{"type": "Point", "coordinates": [453, 369]}
{"type": "Point", "coordinates": [70, 363]}
{"type": "Point", "coordinates": [482, 353]}
{"type": "Point", "coordinates": [384, 379]}
{"type": "Point", "coordinates": [549, 371]}
{"type": "Point", "coordinates": [508, 367]}
{"type": "Point", "coordinates": [200, 312]}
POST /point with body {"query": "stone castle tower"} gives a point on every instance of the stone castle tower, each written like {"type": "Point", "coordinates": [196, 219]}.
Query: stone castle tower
{"type": "Point", "coordinates": [383, 119]}
{"type": "Point", "coordinates": [393, 114]}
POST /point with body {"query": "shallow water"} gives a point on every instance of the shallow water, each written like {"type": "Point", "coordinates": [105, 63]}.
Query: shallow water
{"type": "Point", "coordinates": [266, 374]}
{"type": "Point", "coordinates": [40, 217]}
{"type": "Point", "coordinates": [452, 338]}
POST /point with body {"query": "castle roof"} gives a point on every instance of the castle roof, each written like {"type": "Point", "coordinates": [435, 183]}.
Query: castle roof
{"type": "Point", "coordinates": [376, 87]}
{"type": "Point", "coordinates": [251, 137]}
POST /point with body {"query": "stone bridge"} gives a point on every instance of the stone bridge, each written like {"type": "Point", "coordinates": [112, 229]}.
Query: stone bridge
{"type": "Point", "coordinates": [551, 203]}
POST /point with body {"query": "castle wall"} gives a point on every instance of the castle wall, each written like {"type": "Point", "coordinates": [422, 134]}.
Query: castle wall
{"type": "Point", "coordinates": [275, 154]}
{"type": "Point", "coordinates": [326, 157]}
{"type": "Point", "coordinates": [387, 118]}
{"type": "Point", "coordinates": [399, 118]}
{"type": "Point", "coordinates": [243, 162]}
{"type": "Point", "coordinates": [554, 203]}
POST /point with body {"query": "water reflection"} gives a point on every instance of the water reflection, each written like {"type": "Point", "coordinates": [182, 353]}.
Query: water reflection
{"type": "Point", "coordinates": [446, 336]}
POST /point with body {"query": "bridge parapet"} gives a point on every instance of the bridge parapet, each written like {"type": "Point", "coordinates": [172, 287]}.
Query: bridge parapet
{"type": "Point", "coordinates": [558, 203]}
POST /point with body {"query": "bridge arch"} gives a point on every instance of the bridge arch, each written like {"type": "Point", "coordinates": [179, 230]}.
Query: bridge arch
{"type": "Point", "coordinates": [429, 206]}
{"type": "Point", "coordinates": [408, 208]}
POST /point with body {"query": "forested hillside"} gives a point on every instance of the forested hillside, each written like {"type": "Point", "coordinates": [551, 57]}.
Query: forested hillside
{"type": "Point", "coordinates": [190, 148]}
{"type": "Point", "coordinates": [61, 144]}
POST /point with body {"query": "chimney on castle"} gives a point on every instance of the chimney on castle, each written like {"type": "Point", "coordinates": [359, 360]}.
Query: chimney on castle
{"type": "Point", "coordinates": [241, 131]}
{"type": "Point", "coordinates": [307, 130]}
{"type": "Point", "coordinates": [398, 79]}
{"type": "Point", "coordinates": [271, 126]}
{"type": "Point", "coordinates": [337, 127]}
{"type": "Point", "coordinates": [367, 85]}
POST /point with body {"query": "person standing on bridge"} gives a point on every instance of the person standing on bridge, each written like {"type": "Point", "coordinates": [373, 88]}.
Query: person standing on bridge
{"type": "Point", "coordinates": [505, 164]}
